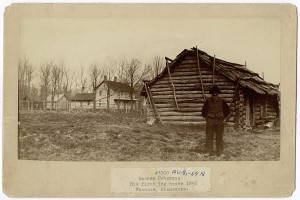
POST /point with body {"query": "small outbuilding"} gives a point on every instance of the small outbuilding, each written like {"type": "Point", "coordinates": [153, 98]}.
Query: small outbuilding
{"type": "Point", "coordinates": [30, 102]}
{"type": "Point", "coordinates": [82, 100]}
{"type": "Point", "coordinates": [59, 101]}
{"type": "Point", "coordinates": [178, 93]}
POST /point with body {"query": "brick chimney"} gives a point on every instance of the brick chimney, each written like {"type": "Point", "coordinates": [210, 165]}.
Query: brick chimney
{"type": "Point", "coordinates": [105, 77]}
{"type": "Point", "coordinates": [115, 79]}
{"type": "Point", "coordinates": [82, 90]}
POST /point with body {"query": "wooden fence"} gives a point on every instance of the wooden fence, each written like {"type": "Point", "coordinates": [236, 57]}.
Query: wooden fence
{"type": "Point", "coordinates": [39, 105]}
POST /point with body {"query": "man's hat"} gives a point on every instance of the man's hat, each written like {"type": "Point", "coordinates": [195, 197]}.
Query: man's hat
{"type": "Point", "coordinates": [213, 89]}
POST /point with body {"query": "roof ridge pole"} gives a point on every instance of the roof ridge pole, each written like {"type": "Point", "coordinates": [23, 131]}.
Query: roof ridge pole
{"type": "Point", "coordinates": [171, 81]}
{"type": "Point", "coordinates": [213, 78]}
{"type": "Point", "coordinates": [199, 70]}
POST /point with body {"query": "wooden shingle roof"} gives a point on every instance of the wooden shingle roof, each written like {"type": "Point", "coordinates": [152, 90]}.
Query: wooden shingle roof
{"type": "Point", "coordinates": [233, 71]}
{"type": "Point", "coordinates": [116, 86]}
{"type": "Point", "coordinates": [83, 97]}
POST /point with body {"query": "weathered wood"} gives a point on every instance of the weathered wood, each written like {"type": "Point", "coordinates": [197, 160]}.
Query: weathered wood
{"type": "Point", "coordinates": [237, 111]}
{"type": "Point", "coordinates": [149, 94]}
{"type": "Point", "coordinates": [189, 62]}
{"type": "Point", "coordinates": [194, 76]}
{"type": "Point", "coordinates": [180, 92]}
{"type": "Point", "coordinates": [191, 86]}
{"type": "Point", "coordinates": [200, 75]}
{"type": "Point", "coordinates": [195, 100]}
{"type": "Point", "coordinates": [206, 82]}
{"type": "Point", "coordinates": [187, 118]}
{"type": "Point", "coordinates": [186, 123]}
{"type": "Point", "coordinates": [192, 69]}
{"type": "Point", "coordinates": [172, 105]}
{"type": "Point", "coordinates": [272, 113]}
{"type": "Point", "coordinates": [214, 63]}
{"type": "Point", "coordinates": [230, 124]}
{"type": "Point", "coordinates": [183, 118]}
{"type": "Point", "coordinates": [189, 96]}
{"type": "Point", "coordinates": [206, 74]}
{"type": "Point", "coordinates": [170, 113]}
{"type": "Point", "coordinates": [182, 109]}
{"type": "Point", "coordinates": [173, 87]}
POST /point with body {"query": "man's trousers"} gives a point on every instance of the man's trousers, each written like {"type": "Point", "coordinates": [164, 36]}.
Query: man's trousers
{"type": "Point", "coordinates": [214, 126]}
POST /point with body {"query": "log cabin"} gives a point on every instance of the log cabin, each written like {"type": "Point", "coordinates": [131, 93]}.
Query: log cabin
{"type": "Point", "coordinates": [178, 93]}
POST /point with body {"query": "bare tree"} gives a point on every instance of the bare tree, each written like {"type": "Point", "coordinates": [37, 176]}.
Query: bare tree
{"type": "Point", "coordinates": [109, 68]}
{"type": "Point", "coordinates": [55, 79]}
{"type": "Point", "coordinates": [121, 66]}
{"type": "Point", "coordinates": [22, 79]}
{"type": "Point", "coordinates": [62, 68]}
{"type": "Point", "coordinates": [95, 73]}
{"type": "Point", "coordinates": [135, 72]}
{"type": "Point", "coordinates": [25, 79]}
{"type": "Point", "coordinates": [45, 78]}
{"type": "Point", "coordinates": [68, 81]}
{"type": "Point", "coordinates": [83, 79]}
{"type": "Point", "coordinates": [156, 66]}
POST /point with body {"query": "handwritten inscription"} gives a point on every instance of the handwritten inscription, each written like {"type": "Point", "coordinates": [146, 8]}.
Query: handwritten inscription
{"type": "Point", "coordinates": [160, 180]}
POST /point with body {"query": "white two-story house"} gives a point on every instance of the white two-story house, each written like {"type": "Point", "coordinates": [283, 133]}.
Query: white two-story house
{"type": "Point", "coordinates": [114, 95]}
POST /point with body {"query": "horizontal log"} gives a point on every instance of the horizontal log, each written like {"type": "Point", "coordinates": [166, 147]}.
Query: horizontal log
{"type": "Point", "coordinates": [191, 86]}
{"type": "Point", "coordinates": [172, 105]}
{"type": "Point", "coordinates": [272, 117]}
{"type": "Point", "coordinates": [194, 80]}
{"type": "Point", "coordinates": [190, 57]}
{"type": "Point", "coordinates": [191, 123]}
{"type": "Point", "coordinates": [185, 100]}
{"type": "Point", "coordinates": [190, 73]}
{"type": "Point", "coordinates": [272, 114]}
{"type": "Point", "coordinates": [186, 118]}
{"type": "Point", "coordinates": [183, 92]}
{"type": "Point", "coordinates": [189, 62]}
{"type": "Point", "coordinates": [272, 108]}
{"type": "Point", "coordinates": [186, 123]}
{"type": "Point", "coordinates": [192, 66]}
{"type": "Point", "coordinates": [170, 113]}
{"type": "Point", "coordinates": [206, 78]}
{"type": "Point", "coordinates": [189, 96]}
{"type": "Point", "coordinates": [194, 83]}
{"type": "Point", "coordinates": [181, 109]}
{"type": "Point", "coordinates": [182, 118]}
{"type": "Point", "coordinates": [193, 69]}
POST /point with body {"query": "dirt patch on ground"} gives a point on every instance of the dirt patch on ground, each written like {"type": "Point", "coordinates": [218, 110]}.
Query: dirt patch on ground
{"type": "Point", "coordinates": [104, 136]}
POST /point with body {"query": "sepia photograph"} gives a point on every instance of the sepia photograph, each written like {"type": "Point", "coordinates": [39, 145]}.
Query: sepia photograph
{"type": "Point", "coordinates": [149, 89]}
{"type": "Point", "coordinates": [149, 100]}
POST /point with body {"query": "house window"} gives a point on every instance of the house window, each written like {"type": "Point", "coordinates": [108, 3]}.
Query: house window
{"type": "Point", "coordinates": [100, 92]}
{"type": "Point", "coordinates": [88, 103]}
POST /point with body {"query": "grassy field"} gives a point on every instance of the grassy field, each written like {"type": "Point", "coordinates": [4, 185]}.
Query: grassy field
{"type": "Point", "coordinates": [103, 136]}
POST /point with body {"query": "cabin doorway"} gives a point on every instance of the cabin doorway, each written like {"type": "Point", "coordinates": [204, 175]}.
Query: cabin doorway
{"type": "Point", "coordinates": [249, 111]}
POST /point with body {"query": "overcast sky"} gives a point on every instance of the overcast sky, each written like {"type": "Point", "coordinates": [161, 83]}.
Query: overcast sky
{"type": "Point", "coordinates": [85, 41]}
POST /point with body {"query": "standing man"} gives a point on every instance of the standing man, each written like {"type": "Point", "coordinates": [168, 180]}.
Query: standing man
{"type": "Point", "coordinates": [216, 112]}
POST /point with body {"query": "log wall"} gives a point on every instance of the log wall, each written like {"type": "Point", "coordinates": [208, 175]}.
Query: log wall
{"type": "Point", "coordinates": [265, 109]}
{"type": "Point", "coordinates": [242, 114]}
{"type": "Point", "coordinates": [190, 99]}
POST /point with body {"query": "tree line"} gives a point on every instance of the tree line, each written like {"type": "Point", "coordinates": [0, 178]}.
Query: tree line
{"type": "Point", "coordinates": [55, 77]}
